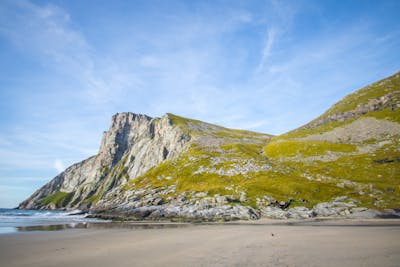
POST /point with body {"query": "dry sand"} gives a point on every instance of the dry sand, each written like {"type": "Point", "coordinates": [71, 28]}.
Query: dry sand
{"type": "Point", "coordinates": [317, 244]}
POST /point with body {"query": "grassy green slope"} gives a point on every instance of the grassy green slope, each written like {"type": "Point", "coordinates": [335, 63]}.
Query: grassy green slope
{"type": "Point", "coordinates": [295, 166]}
{"type": "Point", "coordinates": [219, 161]}
{"type": "Point", "coordinates": [233, 163]}
{"type": "Point", "coordinates": [367, 169]}
{"type": "Point", "coordinates": [388, 87]}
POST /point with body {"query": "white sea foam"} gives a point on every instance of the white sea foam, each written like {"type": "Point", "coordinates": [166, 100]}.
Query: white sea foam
{"type": "Point", "coordinates": [23, 218]}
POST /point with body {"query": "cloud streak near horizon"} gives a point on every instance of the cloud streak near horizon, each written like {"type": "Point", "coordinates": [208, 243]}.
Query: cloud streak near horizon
{"type": "Point", "coordinates": [267, 66]}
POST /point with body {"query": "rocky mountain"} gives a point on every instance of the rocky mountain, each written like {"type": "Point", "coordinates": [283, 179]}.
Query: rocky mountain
{"type": "Point", "coordinates": [133, 144]}
{"type": "Point", "coordinates": [344, 163]}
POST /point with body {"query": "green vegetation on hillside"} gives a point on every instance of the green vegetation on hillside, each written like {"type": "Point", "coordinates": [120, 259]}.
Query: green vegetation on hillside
{"type": "Point", "coordinates": [293, 148]}
{"type": "Point", "coordinates": [362, 96]}
{"type": "Point", "coordinates": [280, 181]}
{"type": "Point", "coordinates": [369, 170]}
{"type": "Point", "coordinates": [247, 166]}
{"type": "Point", "coordinates": [59, 199]}
{"type": "Point", "coordinates": [306, 171]}
{"type": "Point", "coordinates": [196, 127]}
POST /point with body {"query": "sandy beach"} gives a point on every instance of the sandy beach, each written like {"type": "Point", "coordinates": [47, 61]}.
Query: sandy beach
{"type": "Point", "coordinates": [375, 243]}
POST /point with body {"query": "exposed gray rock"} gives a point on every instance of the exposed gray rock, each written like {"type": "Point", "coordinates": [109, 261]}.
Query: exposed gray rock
{"type": "Point", "coordinates": [332, 209]}
{"type": "Point", "coordinates": [241, 167]}
{"type": "Point", "coordinates": [133, 144]}
{"type": "Point", "coordinates": [242, 197]}
{"type": "Point", "coordinates": [389, 101]}
{"type": "Point", "coordinates": [340, 198]}
{"type": "Point", "coordinates": [335, 208]}
{"type": "Point", "coordinates": [299, 213]}
{"type": "Point", "coordinates": [188, 212]}
{"type": "Point", "coordinates": [273, 213]}
{"type": "Point", "coordinates": [358, 131]}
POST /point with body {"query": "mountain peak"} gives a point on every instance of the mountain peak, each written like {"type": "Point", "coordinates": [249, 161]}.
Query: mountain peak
{"type": "Point", "coordinates": [167, 167]}
{"type": "Point", "coordinates": [129, 116]}
{"type": "Point", "coordinates": [133, 144]}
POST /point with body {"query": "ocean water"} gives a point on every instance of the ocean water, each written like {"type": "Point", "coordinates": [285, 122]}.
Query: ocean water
{"type": "Point", "coordinates": [12, 220]}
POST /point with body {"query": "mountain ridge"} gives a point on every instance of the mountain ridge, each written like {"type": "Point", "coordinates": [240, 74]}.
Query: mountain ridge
{"type": "Point", "coordinates": [175, 167]}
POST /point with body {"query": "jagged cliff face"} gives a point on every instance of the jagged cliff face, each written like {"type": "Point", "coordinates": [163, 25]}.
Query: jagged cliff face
{"type": "Point", "coordinates": [140, 142]}
{"type": "Point", "coordinates": [133, 144]}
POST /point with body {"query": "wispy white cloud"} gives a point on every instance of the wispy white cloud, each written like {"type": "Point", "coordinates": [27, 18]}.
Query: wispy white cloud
{"type": "Point", "coordinates": [59, 166]}
{"type": "Point", "coordinates": [47, 32]}
{"type": "Point", "coordinates": [267, 50]}
{"type": "Point", "coordinates": [40, 29]}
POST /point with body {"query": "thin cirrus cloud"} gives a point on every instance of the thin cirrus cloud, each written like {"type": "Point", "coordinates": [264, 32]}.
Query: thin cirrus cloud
{"type": "Point", "coordinates": [271, 35]}
{"type": "Point", "coordinates": [268, 66]}
{"type": "Point", "coordinates": [47, 34]}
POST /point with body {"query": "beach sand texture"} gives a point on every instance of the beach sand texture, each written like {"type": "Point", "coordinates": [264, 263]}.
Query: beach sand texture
{"type": "Point", "coordinates": [206, 245]}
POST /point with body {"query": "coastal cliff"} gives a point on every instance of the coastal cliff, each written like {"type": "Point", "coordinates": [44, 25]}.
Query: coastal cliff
{"type": "Point", "coordinates": [133, 144]}
{"type": "Point", "coordinates": [345, 163]}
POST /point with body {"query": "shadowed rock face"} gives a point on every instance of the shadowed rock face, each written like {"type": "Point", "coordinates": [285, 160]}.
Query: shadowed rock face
{"type": "Point", "coordinates": [133, 144]}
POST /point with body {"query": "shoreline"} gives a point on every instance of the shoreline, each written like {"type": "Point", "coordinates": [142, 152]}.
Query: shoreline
{"type": "Point", "coordinates": [321, 222]}
{"type": "Point", "coordinates": [266, 243]}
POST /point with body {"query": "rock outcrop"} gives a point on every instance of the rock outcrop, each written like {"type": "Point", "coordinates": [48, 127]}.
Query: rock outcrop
{"type": "Point", "coordinates": [133, 144]}
{"type": "Point", "coordinates": [358, 131]}
{"type": "Point", "coordinates": [389, 101]}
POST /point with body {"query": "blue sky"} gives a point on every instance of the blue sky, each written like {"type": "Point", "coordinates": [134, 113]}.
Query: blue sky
{"type": "Point", "coordinates": [67, 66]}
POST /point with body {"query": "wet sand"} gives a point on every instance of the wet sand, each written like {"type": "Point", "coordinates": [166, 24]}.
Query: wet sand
{"type": "Point", "coordinates": [264, 243]}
